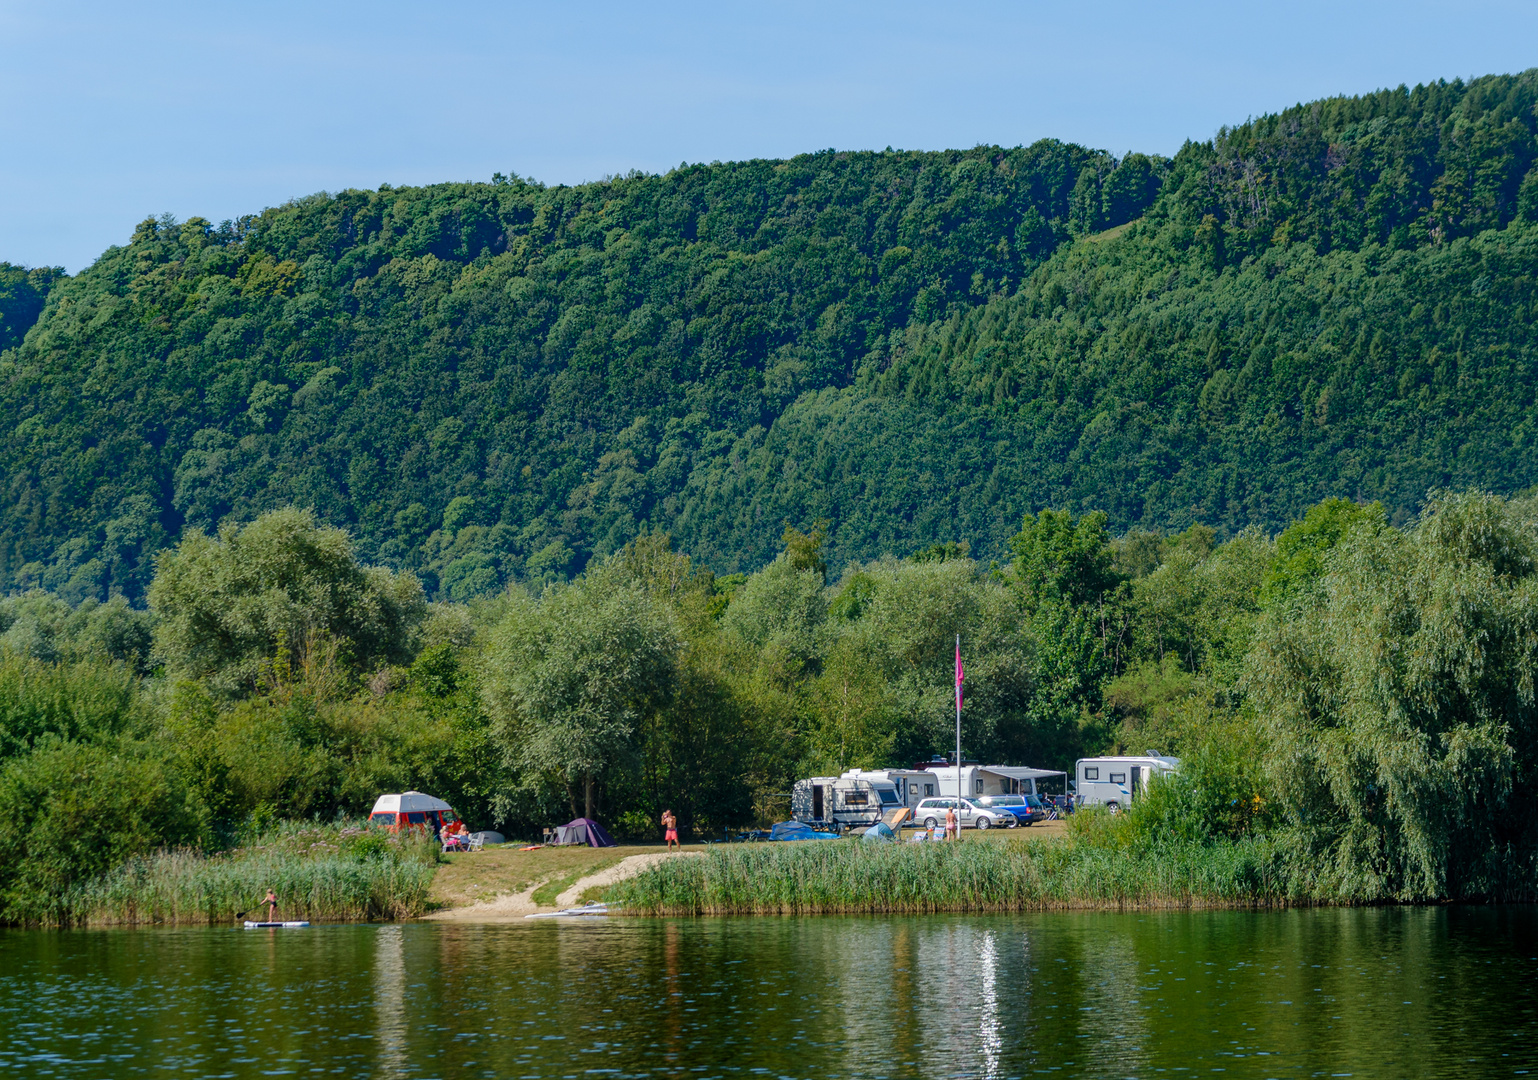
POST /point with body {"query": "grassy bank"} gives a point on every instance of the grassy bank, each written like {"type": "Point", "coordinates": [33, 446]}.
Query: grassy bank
{"type": "Point", "coordinates": [1014, 875]}
{"type": "Point", "coordinates": [320, 873]}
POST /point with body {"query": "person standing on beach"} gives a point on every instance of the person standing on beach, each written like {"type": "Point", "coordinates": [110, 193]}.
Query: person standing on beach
{"type": "Point", "coordinates": [952, 824]}
{"type": "Point", "coordinates": [670, 824]}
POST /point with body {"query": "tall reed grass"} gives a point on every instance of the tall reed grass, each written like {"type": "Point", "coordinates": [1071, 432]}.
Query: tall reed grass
{"type": "Point", "coordinates": [320, 874]}
{"type": "Point", "coordinates": [1015, 875]}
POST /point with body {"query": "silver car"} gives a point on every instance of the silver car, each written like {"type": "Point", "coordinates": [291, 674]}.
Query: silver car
{"type": "Point", "coordinates": [931, 812]}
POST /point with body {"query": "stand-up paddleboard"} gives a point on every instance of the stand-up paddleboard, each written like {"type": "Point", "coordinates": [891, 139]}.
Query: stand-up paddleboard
{"type": "Point", "coordinates": [585, 910]}
{"type": "Point", "coordinates": [274, 925]}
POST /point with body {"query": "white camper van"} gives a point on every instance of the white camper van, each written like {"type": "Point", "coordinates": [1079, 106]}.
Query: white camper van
{"type": "Point", "coordinates": [847, 802]}
{"type": "Point", "coordinates": [1116, 782]}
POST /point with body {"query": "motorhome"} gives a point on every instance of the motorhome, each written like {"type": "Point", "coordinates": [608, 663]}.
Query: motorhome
{"type": "Point", "coordinates": [1117, 782]}
{"type": "Point", "coordinates": [994, 779]}
{"type": "Point", "coordinates": [852, 800]}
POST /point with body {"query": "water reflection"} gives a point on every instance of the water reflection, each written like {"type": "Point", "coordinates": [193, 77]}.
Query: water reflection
{"type": "Point", "coordinates": [1386, 992]}
{"type": "Point", "coordinates": [390, 1000]}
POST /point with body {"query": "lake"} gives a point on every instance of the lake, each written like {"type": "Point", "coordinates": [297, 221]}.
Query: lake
{"type": "Point", "coordinates": [1370, 993]}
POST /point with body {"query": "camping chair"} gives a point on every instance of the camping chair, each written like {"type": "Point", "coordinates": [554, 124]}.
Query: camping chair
{"type": "Point", "coordinates": [477, 841]}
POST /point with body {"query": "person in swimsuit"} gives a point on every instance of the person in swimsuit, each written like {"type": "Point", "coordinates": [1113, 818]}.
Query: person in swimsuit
{"type": "Point", "coordinates": [952, 824]}
{"type": "Point", "coordinates": [670, 823]}
{"type": "Point", "coordinates": [272, 905]}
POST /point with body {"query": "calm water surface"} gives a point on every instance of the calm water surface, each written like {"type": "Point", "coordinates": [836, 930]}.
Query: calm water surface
{"type": "Point", "coordinates": [1420, 992]}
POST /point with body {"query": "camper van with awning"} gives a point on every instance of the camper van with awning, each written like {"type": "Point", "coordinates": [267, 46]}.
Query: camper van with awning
{"type": "Point", "coordinates": [994, 779]}
{"type": "Point", "coordinates": [412, 809]}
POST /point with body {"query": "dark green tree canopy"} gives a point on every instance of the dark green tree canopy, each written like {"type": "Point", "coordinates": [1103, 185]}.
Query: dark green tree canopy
{"type": "Point", "coordinates": [497, 382]}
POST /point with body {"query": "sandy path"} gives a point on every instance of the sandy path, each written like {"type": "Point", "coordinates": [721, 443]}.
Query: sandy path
{"type": "Point", "coordinates": [506, 906]}
{"type": "Point", "coordinates": [625, 868]}
{"type": "Point", "coordinates": [511, 906]}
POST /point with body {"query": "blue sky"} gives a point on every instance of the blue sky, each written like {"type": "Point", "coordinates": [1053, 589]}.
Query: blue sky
{"type": "Point", "coordinates": [117, 111]}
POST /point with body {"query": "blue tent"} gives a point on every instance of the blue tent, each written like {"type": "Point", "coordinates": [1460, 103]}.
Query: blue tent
{"type": "Point", "coordinates": [880, 832]}
{"type": "Point", "coordinates": [796, 830]}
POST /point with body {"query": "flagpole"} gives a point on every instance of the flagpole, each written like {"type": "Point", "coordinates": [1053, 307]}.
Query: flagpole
{"type": "Point", "coordinates": [958, 736]}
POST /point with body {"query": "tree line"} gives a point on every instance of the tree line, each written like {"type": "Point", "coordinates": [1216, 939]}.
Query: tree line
{"type": "Point", "coordinates": [1356, 696]}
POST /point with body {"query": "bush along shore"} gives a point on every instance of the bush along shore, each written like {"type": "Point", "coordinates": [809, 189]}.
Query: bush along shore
{"type": "Point", "coordinates": [321, 873]}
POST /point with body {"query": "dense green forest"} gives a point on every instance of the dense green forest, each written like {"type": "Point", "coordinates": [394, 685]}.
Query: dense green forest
{"type": "Point", "coordinates": [1355, 704]}
{"type": "Point", "coordinates": [497, 382]}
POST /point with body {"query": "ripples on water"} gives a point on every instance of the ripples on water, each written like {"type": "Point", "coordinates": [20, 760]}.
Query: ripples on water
{"type": "Point", "coordinates": [1370, 993]}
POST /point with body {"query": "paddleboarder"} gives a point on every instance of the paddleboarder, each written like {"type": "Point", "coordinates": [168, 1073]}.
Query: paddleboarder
{"type": "Point", "coordinates": [271, 901]}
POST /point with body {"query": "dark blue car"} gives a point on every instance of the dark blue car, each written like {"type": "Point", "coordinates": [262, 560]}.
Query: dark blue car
{"type": "Point", "coordinates": [1028, 809]}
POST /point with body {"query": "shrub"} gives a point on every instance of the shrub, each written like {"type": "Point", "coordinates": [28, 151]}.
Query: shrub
{"type": "Point", "coordinates": [70, 812]}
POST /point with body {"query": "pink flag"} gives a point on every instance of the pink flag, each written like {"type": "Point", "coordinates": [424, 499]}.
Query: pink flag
{"type": "Point", "coordinates": [959, 675]}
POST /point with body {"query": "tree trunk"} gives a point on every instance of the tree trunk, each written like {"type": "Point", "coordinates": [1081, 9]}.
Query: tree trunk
{"type": "Point", "coordinates": [587, 794]}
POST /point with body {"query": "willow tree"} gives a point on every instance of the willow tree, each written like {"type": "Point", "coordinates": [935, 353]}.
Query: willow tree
{"type": "Point", "coordinates": [570, 678]}
{"type": "Point", "coordinates": [1398, 697]}
{"type": "Point", "coordinates": [226, 606]}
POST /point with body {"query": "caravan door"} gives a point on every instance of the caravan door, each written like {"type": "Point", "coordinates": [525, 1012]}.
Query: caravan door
{"type": "Point", "coordinates": [817, 802]}
{"type": "Point", "coordinates": [1137, 778]}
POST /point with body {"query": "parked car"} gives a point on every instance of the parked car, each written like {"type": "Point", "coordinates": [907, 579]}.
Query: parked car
{"type": "Point", "coordinates": [1028, 809]}
{"type": "Point", "coordinates": [931, 812]}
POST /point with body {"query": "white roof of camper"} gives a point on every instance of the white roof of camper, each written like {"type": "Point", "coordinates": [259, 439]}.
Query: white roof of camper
{"type": "Point", "coordinates": [874, 776]}
{"type": "Point", "coordinates": [406, 802]}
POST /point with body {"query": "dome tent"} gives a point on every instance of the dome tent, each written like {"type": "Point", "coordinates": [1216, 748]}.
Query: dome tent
{"type": "Point", "coordinates": [583, 831]}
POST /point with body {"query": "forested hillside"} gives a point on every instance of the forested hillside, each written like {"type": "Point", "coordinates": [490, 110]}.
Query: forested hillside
{"type": "Point", "coordinates": [494, 382]}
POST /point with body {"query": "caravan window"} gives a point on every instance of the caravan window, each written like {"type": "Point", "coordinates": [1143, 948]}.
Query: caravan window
{"type": "Point", "coordinates": [416, 817]}
{"type": "Point", "coordinates": [929, 789]}
{"type": "Point", "coordinates": [913, 789]}
{"type": "Point", "coordinates": [889, 796]}
{"type": "Point", "coordinates": [856, 798]}
{"type": "Point", "coordinates": [1091, 772]}
{"type": "Point", "coordinates": [1118, 778]}
{"type": "Point", "coordinates": [382, 819]}
{"type": "Point", "coordinates": [979, 786]}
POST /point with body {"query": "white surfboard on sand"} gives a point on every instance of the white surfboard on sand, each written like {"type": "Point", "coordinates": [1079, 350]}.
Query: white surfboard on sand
{"type": "Point", "coordinates": [586, 909]}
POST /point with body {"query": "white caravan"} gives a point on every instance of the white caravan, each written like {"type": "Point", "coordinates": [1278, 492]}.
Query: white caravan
{"type": "Point", "coordinates": [1116, 782]}
{"type": "Point", "coordinates": [846, 802]}
{"type": "Point", "coordinates": [913, 785]}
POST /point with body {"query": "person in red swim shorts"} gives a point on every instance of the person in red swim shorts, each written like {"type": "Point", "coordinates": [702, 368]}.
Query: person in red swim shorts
{"type": "Point", "coordinates": [670, 823]}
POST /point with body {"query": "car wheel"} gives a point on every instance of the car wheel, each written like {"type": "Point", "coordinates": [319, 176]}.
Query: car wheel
{"type": "Point", "coordinates": [1114, 808]}
{"type": "Point", "coordinates": [1027, 824]}
{"type": "Point", "coordinates": [983, 823]}
{"type": "Point", "coordinates": [930, 823]}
